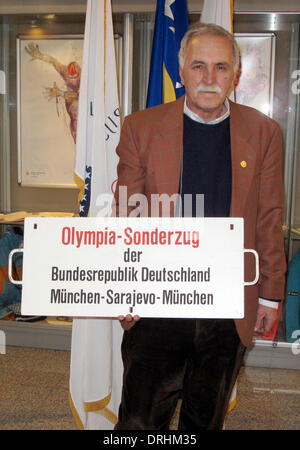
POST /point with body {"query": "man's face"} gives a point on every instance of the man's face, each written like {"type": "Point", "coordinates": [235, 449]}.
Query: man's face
{"type": "Point", "coordinates": [209, 67]}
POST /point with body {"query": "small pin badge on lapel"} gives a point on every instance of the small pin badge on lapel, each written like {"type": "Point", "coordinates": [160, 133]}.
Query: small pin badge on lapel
{"type": "Point", "coordinates": [243, 164]}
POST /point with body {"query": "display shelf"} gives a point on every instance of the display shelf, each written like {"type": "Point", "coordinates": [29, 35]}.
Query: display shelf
{"type": "Point", "coordinates": [268, 354]}
{"type": "Point", "coordinates": [42, 334]}
{"type": "Point", "coordinates": [276, 355]}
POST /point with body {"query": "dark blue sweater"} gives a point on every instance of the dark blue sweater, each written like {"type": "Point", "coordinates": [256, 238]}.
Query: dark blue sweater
{"type": "Point", "coordinates": [207, 166]}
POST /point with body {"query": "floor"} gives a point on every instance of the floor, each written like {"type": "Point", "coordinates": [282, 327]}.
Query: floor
{"type": "Point", "coordinates": [34, 394]}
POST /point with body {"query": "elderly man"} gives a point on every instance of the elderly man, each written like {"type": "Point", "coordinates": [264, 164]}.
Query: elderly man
{"type": "Point", "coordinates": [202, 144]}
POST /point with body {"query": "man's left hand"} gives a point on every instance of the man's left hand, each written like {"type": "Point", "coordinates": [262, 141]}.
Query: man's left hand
{"type": "Point", "coordinates": [265, 319]}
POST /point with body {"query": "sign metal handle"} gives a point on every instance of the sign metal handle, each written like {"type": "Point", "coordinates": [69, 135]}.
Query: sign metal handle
{"type": "Point", "coordinates": [251, 283]}
{"type": "Point", "coordinates": [10, 265]}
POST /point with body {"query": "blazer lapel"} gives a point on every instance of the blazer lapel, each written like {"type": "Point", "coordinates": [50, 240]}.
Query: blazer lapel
{"type": "Point", "coordinates": [243, 161]}
{"type": "Point", "coordinates": [170, 141]}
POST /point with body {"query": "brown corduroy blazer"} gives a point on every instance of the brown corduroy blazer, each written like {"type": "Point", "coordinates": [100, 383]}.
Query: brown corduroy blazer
{"type": "Point", "coordinates": [150, 152]}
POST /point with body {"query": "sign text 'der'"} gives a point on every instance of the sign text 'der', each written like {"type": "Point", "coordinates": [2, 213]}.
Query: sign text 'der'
{"type": "Point", "coordinates": [153, 267]}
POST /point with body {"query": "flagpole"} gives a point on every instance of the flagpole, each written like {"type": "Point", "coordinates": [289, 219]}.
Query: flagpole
{"type": "Point", "coordinates": [128, 62]}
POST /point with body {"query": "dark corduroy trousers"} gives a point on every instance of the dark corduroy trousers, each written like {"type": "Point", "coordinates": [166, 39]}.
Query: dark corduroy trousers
{"type": "Point", "coordinates": [197, 360]}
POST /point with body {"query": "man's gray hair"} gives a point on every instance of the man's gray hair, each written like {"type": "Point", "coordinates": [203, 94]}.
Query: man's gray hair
{"type": "Point", "coordinates": [199, 28]}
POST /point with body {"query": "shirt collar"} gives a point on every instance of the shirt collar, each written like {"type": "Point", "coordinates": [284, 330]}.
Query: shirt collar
{"type": "Point", "coordinates": [197, 118]}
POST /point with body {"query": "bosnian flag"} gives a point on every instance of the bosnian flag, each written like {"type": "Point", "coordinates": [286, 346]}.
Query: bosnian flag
{"type": "Point", "coordinates": [171, 23]}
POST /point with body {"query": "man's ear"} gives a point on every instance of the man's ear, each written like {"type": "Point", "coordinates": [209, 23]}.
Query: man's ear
{"type": "Point", "coordinates": [181, 75]}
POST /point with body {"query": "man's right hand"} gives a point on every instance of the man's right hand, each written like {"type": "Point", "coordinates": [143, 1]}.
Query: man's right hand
{"type": "Point", "coordinates": [128, 322]}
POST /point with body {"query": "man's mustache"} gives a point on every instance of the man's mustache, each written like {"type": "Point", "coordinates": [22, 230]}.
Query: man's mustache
{"type": "Point", "coordinates": [212, 88]}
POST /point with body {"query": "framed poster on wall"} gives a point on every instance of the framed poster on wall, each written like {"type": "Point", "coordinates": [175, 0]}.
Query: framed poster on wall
{"type": "Point", "coordinates": [48, 80]}
{"type": "Point", "coordinates": [256, 75]}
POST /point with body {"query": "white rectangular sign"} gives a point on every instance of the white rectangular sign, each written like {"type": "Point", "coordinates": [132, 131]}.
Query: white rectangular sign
{"type": "Point", "coordinates": [153, 267]}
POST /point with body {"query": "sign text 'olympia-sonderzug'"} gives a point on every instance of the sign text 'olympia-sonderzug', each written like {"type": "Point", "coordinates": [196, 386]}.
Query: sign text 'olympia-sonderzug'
{"type": "Point", "coordinates": [137, 274]}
